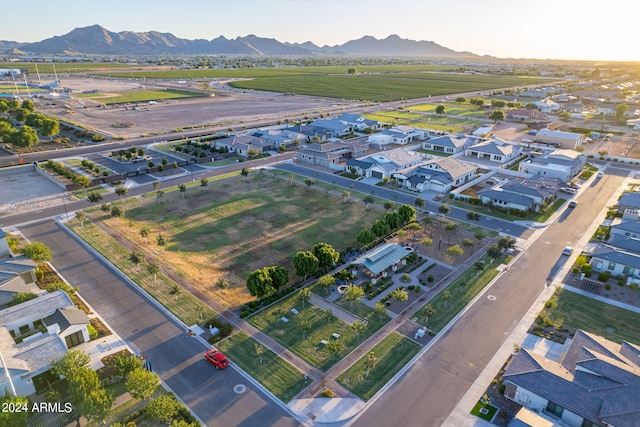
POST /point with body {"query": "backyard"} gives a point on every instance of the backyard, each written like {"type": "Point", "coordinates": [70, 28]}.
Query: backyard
{"type": "Point", "coordinates": [234, 226]}
{"type": "Point", "coordinates": [569, 311]}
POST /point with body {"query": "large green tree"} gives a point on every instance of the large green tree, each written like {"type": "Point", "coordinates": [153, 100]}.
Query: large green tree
{"type": "Point", "coordinates": [305, 263]}
{"type": "Point", "coordinates": [407, 213]}
{"type": "Point", "coordinates": [50, 127]}
{"type": "Point", "coordinates": [353, 293]}
{"type": "Point", "coordinates": [162, 408]}
{"type": "Point", "coordinates": [142, 383]}
{"type": "Point", "coordinates": [25, 137]}
{"type": "Point", "coordinates": [326, 254]}
{"type": "Point", "coordinates": [259, 283]}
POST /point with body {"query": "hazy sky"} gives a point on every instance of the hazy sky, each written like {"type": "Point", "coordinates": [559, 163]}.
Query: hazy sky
{"type": "Point", "coordinates": [563, 29]}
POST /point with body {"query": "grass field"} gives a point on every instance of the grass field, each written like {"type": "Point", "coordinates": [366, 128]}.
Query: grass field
{"type": "Point", "coordinates": [184, 305]}
{"type": "Point", "coordinates": [437, 123]}
{"type": "Point", "coordinates": [568, 309]}
{"type": "Point", "coordinates": [143, 95]}
{"type": "Point", "coordinates": [462, 110]}
{"type": "Point", "coordinates": [393, 353]}
{"type": "Point", "coordinates": [65, 67]}
{"type": "Point", "coordinates": [461, 291]}
{"type": "Point", "coordinates": [531, 216]}
{"type": "Point", "coordinates": [276, 375]}
{"type": "Point", "coordinates": [234, 227]}
{"type": "Point", "coordinates": [322, 326]}
{"type": "Point", "coordinates": [21, 89]}
{"type": "Point", "coordinates": [381, 87]}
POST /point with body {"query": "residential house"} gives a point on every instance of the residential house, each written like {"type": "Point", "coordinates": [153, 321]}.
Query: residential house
{"type": "Point", "coordinates": [521, 193]}
{"type": "Point", "coordinates": [525, 115]}
{"type": "Point", "coordinates": [17, 274]}
{"type": "Point", "coordinates": [484, 131]}
{"type": "Point", "coordinates": [401, 135]}
{"type": "Point", "coordinates": [617, 261]}
{"type": "Point", "coordinates": [567, 140]}
{"type": "Point", "coordinates": [547, 106]}
{"type": "Point", "coordinates": [596, 383]}
{"type": "Point", "coordinates": [438, 174]}
{"type": "Point", "coordinates": [494, 150]}
{"type": "Point", "coordinates": [560, 164]}
{"type": "Point", "coordinates": [311, 133]}
{"type": "Point", "coordinates": [606, 109]}
{"type": "Point", "coordinates": [334, 127]}
{"type": "Point", "coordinates": [279, 137]}
{"type": "Point", "coordinates": [333, 153]}
{"type": "Point", "coordinates": [384, 163]}
{"type": "Point", "coordinates": [359, 123]}
{"type": "Point", "coordinates": [450, 144]}
{"type": "Point", "coordinates": [34, 333]}
{"type": "Point", "coordinates": [629, 201]}
{"type": "Point", "coordinates": [625, 228]}
{"type": "Point", "coordinates": [574, 107]}
{"type": "Point", "coordinates": [244, 144]}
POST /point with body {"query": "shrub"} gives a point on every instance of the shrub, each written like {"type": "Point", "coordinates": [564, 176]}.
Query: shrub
{"type": "Point", "coordinates": [430, 278]}
{"type": "Point", "coordinates": [327, 392]}
{"type": "Point", "coordinates": [604, 276]}
{"type": "Point", "coordinates": [93, 334]}
{"type": "Point", "coordinates": [607, 287]}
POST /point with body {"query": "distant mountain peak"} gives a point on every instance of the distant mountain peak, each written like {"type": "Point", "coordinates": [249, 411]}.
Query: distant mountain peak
{"type": "Point", "coordinates": [96, 39]}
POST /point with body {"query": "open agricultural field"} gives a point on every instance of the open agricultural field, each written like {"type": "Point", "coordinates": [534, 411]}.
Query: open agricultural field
{"type": "Point", "coordinates": [433, 122]}
{"type": "Point", "coordinates": [10, 88]}
{"type": "Point", "coordinates": [371, 83]}
{"type": "Point", "coordinates": [235, 226]}
{"type": "Point", "coordinates": [382, 87]}
{"type": "Point", "coordinates": [65, 67]}
{"type": "Point", "coordinates": [141, 96]}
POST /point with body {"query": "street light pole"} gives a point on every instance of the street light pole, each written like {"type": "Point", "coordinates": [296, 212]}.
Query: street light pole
{"type": "Point", "coordinates": [64, 196]}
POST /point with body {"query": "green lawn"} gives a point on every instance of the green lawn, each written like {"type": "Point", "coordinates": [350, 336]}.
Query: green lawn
{"type": "Point", "coordinates": [290, 334]}
{"type": "Point", "coordinates": [464, 110]}
{"type": "Point", "coordinates": [146, 95]}
{"type": "Point", "coordinates": [461, 291]}
{"type": "Point", "coordinates": [533, 216]}
{"type": "Point", "coordinates": [437, 123]}
{"type": "Point", "coordinates": [570, 310]}
{"type": "Point", "coordinates": [393, 353]}
{"type": "Point", "coordinates": [184, 306]}
{"type": "Point", "coordinates": [278, 376]}
{"type": "Point", "coordinates": [491, 411]}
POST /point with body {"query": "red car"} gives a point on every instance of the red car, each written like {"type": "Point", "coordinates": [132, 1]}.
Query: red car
{"type": "Point", "coordinates": [217, 359]}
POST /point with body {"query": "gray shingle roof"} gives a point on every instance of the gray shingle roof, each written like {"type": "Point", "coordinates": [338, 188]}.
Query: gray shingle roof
{"type": "Point", "coordinates": [630, 199]}
{"type": "Point", "coordinates": [45, 304]}
{"type": "Point", "coordinates": [506, 196]}
{"type": "Point", "coordinates": [66, 317]}
{"type": "Point", "coordinates": [610, 254]}
{"type": "Point", "coordinates": [623, 242]}
{"type": "Point", "coordinates": [604, 385]}
{"type": "Point", "coordinates": [41, 352]}
{"type": "Point", "coordinates": [631, 226]}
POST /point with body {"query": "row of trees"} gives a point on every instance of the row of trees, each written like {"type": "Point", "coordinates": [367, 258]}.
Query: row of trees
{"type": "Point", "coordinates": [27, 135]}
{"type": "Point", "coordinates": [391, 221]}
{"type": "Point", "coordinates": [268, 280]}
{"type": "Point", "coordinates": [60, 169]}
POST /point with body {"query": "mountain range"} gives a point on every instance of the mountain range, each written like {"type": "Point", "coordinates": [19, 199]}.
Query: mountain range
{"type": "Point", "coordinates": [97, 40]}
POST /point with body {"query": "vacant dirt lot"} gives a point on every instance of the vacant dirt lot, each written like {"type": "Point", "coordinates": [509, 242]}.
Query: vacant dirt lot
{"type": "Point", "coordinates": [229, 108]}
{"type": "Point", "coordinates": [25, 189]}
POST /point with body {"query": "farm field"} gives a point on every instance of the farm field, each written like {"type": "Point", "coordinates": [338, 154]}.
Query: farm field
{"type": "Point", "coordinates": [141, 96]}
{"type": "Point", "coordinates": [372, 83]}
{"type": "Point", "coordinates": [65, 67]}
{"type": "Point", "coordinates": [235, 226]}
{"type": "Point", "coordinates": [436, 122]}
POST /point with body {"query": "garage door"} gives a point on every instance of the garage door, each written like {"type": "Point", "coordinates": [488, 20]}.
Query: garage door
{"type": "Point", "coordinates": [74, 339]}
{"type": "Point", "coordinates": [375, 174]}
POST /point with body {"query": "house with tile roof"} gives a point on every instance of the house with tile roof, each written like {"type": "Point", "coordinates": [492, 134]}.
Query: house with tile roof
{"type": "Point", "coordinates": [596, 383]}
{"type": "Point", "coordinates": [384, 163]}
{"type": "Point", "coordinates": [559, 164]}
{"type": "Point", "coordinates": [243, 144]}
{"type": "Point", "coordinates": [521, 193]}
{"type": "Point", "coordinates": [36, 332]}
{"type": "Point", "coordinates": [401, 135]}
{"type": "Point", "coordinates": [450, 144]}
{"type": "Point", "coordinates": [441, 174]}
{"type": "Point", "coordinates": [333, 154]}
{"type": "Point", "coordinates": [358, 122]}
{"type": "Point", "coordinates": [494, 150]}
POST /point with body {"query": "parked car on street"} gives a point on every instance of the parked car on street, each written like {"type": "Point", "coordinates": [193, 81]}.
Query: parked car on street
{"type": "Point", "coordinates": [573, 204]}
{"type": "Point", "coordinates": [568, 250]}
{"type": "Point", "coordinates": [217, 359]}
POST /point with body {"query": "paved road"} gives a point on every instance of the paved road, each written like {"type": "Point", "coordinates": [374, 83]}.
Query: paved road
{"type": "Point", "coordinates": [430, 390]}
{"type": "Point", "coordinates": [516, 230]}
{"type": "Point", "coordinates": [175, 356]}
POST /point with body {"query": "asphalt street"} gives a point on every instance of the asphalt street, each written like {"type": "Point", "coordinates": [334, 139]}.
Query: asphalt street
{"type": "Point", "coordinates": [176, 357]}
{"type": "Point", "coordinates": [492, 223]}
{"type": "Point", "coordinates": [431, 389]}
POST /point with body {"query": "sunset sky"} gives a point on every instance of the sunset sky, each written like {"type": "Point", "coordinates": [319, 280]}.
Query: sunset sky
{"type": "Point", "coordinates": [559, 29]}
